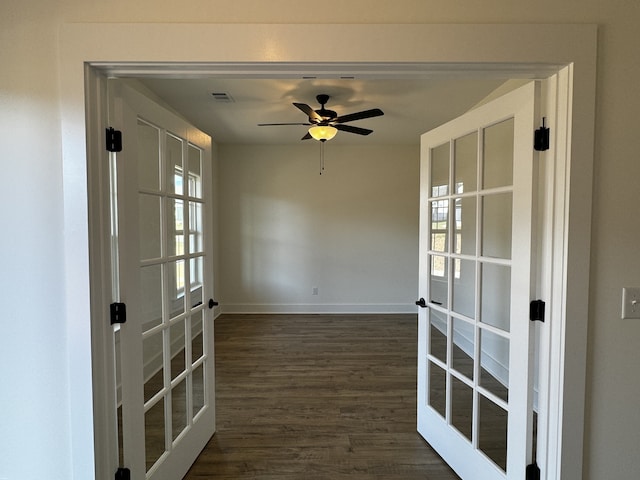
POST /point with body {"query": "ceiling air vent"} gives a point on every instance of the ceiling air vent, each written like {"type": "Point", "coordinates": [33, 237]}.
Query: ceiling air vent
{"type": "Point", "coordinates": [222, 97]}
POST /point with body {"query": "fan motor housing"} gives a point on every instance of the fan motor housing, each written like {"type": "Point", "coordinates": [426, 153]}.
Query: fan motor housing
{"type": "Point", "coordinates": [327, 115]}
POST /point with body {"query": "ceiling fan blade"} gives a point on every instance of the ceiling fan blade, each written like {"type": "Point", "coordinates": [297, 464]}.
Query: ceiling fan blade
{"type": "Point", "coordinates": [352, 129]}
{"type": "Point", "coordinates": [311, 113]}
{"type": "Point", "coordinates": [277, 124]}
{"type": "Point", "coordinates": [374, 112]}
{"type": "Point", "coordinates": [307, 136]}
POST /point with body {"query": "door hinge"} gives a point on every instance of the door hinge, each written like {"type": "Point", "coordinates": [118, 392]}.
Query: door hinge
{"type": "Point", "coordinates": [536, 310]}
{"type": "Point", "coordinates": [113, 140]}
{"type": "Point", "coordinates": [532, 472]}
{"type": "Point", "coordinates": [541, 138]}
{"type": "Point", "coordinates": [118, 313]}
{"type": "Point", "coordinates": [123, 474]}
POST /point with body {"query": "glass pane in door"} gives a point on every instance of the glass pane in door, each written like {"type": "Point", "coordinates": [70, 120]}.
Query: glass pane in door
{"type": "Point", "coordinates": [149, 159]}
{"type": "Point", "coordinates": [197, 332]}
{"type": "Point", "coordinates": [495, 309]}
{"type": "Point", "coordinates": [195, 227]}
{"type": "Point", "coordinates": [154, 433]}
{"type": "Point", "coordinates": [440, 170]}
{"type": "Point", "coordinates": [178, 350]}
{"type": "Point", "coordinates": [438, 335]}
{"type": "Point", "coordinates": [464, 287]}
{"type": "Point", "coordinates": [463, 347]}
{"type": "Point", "coordinates": [465, 217]}
{"type": "Point", "coordinates": [178, 409]}
{"type": "Point", "coordinates": [175, 287]}
{"type": "Point", "coordinates": [197, 388]}
{"type": "Point", "coordinates": [462, 407]}
{"type": "Point", "coordinates": [174, 165]}
{"type": "Point", "coordinates": [439, 280]}
{"type": "Point", "coordinates": [195, 172]}
{"type": "Point", "coordinates": [492, 434]}
{"type": "Point", "coordinates": [153, 361]}
{"type": "Point", "coordinates": [494, 363]}
{"type": "Point", "coordinates": [496, 225]}
{"type": "Point", "coordinates": [196, 273]}
{"type": "Point", "coordinates": [151, 296]}
{"type": "Point", "coordinates": [466, 163]}
{"type": "Point", "coordinates": [498, 155]}
{"type": "Point", "coordinates": [439, 226]}
{"type": "Point", "coordinates": [150, 235]}
{"type": "Point", "coordinates": [437, 395]}
{"type": "Point", "coordinates": [175, 226]}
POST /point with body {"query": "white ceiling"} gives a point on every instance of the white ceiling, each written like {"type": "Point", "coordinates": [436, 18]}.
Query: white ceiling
{"type": "Point", "coordinates": [410, 106]}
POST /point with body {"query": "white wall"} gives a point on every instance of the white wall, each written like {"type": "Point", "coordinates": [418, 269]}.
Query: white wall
{"type": "Point", "coordinates": [352, 232]}
{"type": "Point", "coordinates": [37, 379]}
{"type": "Point", "coordinates": [34, 390]}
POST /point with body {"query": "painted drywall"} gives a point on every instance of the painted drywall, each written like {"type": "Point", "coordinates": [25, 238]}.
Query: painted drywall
{"type": "Point", "coordinates": [351, 232]}
{"type": "Point", "coordinates": [38, 393]}
{"type": "Point", "coordinates": [35, 394]}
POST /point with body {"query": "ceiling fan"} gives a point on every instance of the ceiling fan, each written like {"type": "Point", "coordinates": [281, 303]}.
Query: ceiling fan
{"type": "Point", "coordinates": [324, 124]}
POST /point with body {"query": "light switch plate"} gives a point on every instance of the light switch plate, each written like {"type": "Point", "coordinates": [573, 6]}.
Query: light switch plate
{"type": "Point", "coordinates": [630, 302]}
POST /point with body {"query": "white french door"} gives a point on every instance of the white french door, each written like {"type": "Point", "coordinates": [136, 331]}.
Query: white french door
{"type": "Point", "coordinates": [475, 341]}
{"type": "Point", "coordinates": [162, 243]}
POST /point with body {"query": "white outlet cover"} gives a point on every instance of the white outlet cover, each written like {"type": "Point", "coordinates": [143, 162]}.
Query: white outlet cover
{"type": "Point", "coordinates": [630, 302]}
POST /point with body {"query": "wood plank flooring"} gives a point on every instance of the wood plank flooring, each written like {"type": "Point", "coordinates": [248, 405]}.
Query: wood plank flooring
{"type": "Point", "coordinates": [317, 397]}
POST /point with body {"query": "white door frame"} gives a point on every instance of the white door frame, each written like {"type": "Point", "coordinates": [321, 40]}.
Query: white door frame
{"type": "Point", "coordinates": [89, 52]}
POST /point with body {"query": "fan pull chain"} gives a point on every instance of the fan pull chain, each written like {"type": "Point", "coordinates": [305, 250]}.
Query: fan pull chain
{"type": "Point", "coordinates": [321, 156]}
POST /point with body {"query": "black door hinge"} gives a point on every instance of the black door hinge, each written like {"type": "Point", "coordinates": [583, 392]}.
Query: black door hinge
{"type": "Point", "coordinates": [123, 474]}
{"type": "Point", "coordinates": [113, 140]}
{"type": "Point", "coordinates": [536, 310]}
{"type": "Point", "coordinates": [532, 472]}
{"type": "Point", "coordinates": [541, 138]}
{"type": "Point", "coordinates": [118, 313]}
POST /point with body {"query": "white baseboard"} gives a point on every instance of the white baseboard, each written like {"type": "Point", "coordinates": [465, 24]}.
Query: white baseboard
{"type": "Point", "coordinates": [306, 308]}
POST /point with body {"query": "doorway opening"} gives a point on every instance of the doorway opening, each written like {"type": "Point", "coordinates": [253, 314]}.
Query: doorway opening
{"type": "Point", "coordinates": [223, 179]}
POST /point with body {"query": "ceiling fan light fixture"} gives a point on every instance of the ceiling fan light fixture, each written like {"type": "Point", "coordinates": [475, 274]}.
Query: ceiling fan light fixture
{"type": "Point", "coordinates": [323, 132]}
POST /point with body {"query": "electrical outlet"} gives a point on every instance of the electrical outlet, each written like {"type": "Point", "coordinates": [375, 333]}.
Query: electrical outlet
{"type": "Point", "coordinates": [630, 302]}
{"type": "Point", "coordinates": [314, 291]}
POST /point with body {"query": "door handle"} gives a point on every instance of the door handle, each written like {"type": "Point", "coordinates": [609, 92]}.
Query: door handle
{"type": "Point", "coordinates": [421, 303]}
{"type": "Point", "coordinates": [212, 303]}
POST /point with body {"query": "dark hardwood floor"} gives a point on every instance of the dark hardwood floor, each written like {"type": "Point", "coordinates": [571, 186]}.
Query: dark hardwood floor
{"type": "Point", "coordinates": [317, 397]}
